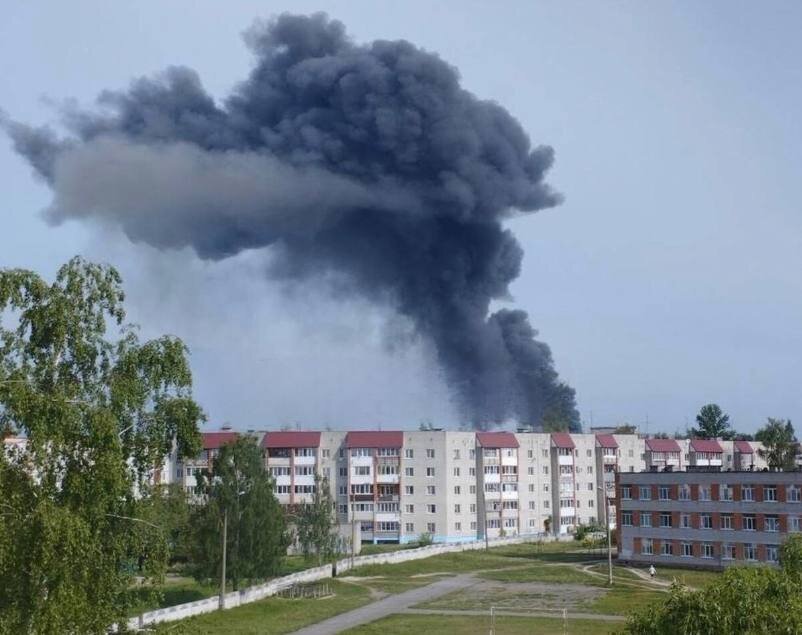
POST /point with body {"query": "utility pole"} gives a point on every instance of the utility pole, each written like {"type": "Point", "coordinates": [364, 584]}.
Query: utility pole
{"type": "Point", "coordinates": [223, 568]}
{"type": "Point", "coordinates": [609, 541]}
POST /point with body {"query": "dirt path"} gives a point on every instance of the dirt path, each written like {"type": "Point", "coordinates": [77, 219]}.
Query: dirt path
{"type": "Point", "coordinates": [388, 606]}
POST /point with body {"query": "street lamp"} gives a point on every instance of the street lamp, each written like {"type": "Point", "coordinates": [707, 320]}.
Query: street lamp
{"type": "Point", "coordinates": [222, 602]}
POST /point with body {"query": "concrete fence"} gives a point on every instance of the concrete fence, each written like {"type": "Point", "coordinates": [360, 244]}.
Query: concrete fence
{"type": "Point", "coordinates": [267, 589]}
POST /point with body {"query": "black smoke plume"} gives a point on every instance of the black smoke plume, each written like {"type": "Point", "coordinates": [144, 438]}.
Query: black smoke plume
{"type": "Point", "coordinates": [366, 161]}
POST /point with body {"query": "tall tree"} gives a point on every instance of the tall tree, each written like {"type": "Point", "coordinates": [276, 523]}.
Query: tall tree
{"type": "Point", "coordinates": [712, 423]}
{"type": "Point", "coordinates": [741, 600]}
{"type": "Point", "coordinates": [779, 444]}
{"type": "Point", "coordinates": [100, 410]}
{"type": "Point", "coordinates": [239, 492]}
{"type": "Point", "coordinates": [316, 526]}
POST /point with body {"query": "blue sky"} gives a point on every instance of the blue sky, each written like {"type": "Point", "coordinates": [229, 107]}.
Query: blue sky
{"type": "Point", "coordinates": [669, 278]}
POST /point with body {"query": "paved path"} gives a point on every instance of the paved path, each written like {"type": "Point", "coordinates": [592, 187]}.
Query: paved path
{"type": "Point", "coordinates": [387, 606]}
{"type": "Point", "coordinates": [557, 613]}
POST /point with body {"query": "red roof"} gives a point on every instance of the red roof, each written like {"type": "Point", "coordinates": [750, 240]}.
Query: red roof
{"type": "Point", "coordinates": [744, 447]}
{"type": "Point", "coordinates": [291, 440]}
{"type": "Point", "coordinates": [706, 445]}
{"type": "Point", "coordinates": [374, 439]}
{"type": "Point", "coordinates": [662, 445]}
{"type": "Point", "coordinates": [216, 440]}
{"type": "Point", "coordinates": [562, 440]}
{"type": "Point", "coordinates": [497, 439]}
{"type": "Point", "coordinates": [606, 441]}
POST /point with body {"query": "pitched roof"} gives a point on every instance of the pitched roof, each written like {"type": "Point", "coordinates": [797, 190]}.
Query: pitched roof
{"type": "Point", "coordinates": [562, 440]}
{"type": "Point", "coordinates": [662, 445]}
{"type": "Point", "coordinates": [606, 441]}
{"type": "Point", "coordinates": [497, 439]}
{"type": "Point", "coordinates": [290, 439]}
{"type": "Point", "coordinates": [374, 439]}
{"type": "Point", "coordinates": [706, 445]}
{"type": "Point", "coordinates": [744, 447]}
{"type": "Point", "coordinates": [216, 440]}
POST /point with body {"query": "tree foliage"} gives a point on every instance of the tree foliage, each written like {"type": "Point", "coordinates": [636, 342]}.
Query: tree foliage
{"type": "Point", "coordinates": [626, 428]}
{"type": "Point", "coordinates": [240, 489]}
{"type": "Point", "coordinates": [316, 525]}
{"type": "Point", "coordinates": [100, 410]}
{"type": "Point", "coordinates": [779, 444]}
{"type": "Point", "coordinates": [742, 600]}
{"type": "Point", "coordinates": [712, 423]}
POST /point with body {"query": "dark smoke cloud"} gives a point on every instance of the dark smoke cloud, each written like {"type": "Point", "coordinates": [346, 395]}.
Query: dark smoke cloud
{"type": "Point", "coordinates": [368, 161]}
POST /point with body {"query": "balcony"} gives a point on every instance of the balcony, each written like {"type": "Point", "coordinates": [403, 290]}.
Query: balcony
{"type": "Point", "coordinates": [388, 498]}
{"type": "Point", "coordinates": [387, 478]}
{"type": "Point", "coordinates": [565, 460]}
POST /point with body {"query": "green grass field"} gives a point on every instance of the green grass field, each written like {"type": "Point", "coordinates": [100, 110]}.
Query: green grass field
{"type": "Point", "coordinates": [472, 625]}
{"type": "Point", "coordinates": [518, 578]}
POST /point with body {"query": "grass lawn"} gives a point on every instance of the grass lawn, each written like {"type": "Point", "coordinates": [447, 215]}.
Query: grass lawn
{"type": "Point", "coordinates": [543, 573]}
{"type": "Point", "coordinates": [473, 625]}
{"type": "Point", "coordinates": [273, 615]}
{"type": "Point", "coordinates": [688, 577]}
{"type": "Point", "coordinates": [622, 600]}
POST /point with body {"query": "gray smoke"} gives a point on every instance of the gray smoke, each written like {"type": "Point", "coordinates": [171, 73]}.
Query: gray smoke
{"type": "Point", "coordinates": [365, 160]}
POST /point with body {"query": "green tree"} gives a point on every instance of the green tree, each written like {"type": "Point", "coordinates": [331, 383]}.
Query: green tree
{"type": "Point", "coordinates": [100, 410]}
{"type": "Point", "coordinates": [780, 444]}
{"type": "Point", "coordinates": [712, 422]}
{"type": "Point", "coordinates": [167, 507]}
{"type": "Point", "coordinates": [316, 525]}
{"type": "Point", "coordinates": [625, 428]}
{"type": "Point", "coordinates": [240, 490]}
{"type": "Point", "coordinates": [741, 600]}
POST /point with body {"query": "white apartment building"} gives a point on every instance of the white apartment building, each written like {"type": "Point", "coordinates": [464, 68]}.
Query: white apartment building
{"type": "Point", "coordinates": [394, 486]}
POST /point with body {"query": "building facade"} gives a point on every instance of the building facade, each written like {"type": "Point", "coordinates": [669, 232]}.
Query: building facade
{"type": "Point", "coordinates": [456, 485]}
{"type": "Point", "coordinates": [705, 517]}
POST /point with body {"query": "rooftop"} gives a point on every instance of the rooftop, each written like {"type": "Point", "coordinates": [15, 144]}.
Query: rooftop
{"type": "Point", "coordinates": [497, 439]}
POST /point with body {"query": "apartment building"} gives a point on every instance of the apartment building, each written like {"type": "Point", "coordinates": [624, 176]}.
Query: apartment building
{"type": "Point", "coordinates": [704, 517]}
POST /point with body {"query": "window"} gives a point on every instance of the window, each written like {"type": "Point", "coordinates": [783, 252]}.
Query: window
{"type": "Point", "coordinates": [430, 527]}
{"type": "Point", "coordinates": [430, 453]}
{"type": "Point", "coordinates": [665, 493]}
{"type": "Point", "coordinates": [665, 519]}
{"type": "Point", "coordinates": [726, 521]}
{"type": "Point", "coordinates": [362, 488]}
{"type": "Point", "coordinates": [590, 503]}
{"type": "Point", "coordinates": [647, 547]}
{"type": "Point", "coordinates": [430, 472]}
{"type": "Point", "coordinates": [304, 451]}
{"type": "Point", "coordinates": [472, 489]}
{"type": "Point", "coordinates": [666, 549]}
{"type": "Point", "coordinates": [728, 551]}
{"type": "Point", "coordinates": [704, 493]}
{"type": "Point", "coordinates": [430, 490]}
{"type": "Point", "coordinates": [546, 504]}
{"type": "Point", "coordinates": [473, 525]}
{"type": "Point", "coordinates": [410, 527]}
{"type": "Point", "coordinates": [457, 490]}
{"type": "Point", "coordinates": [326, 454]}
{"type": "Point", "coordinates": [531, 487]}
{"type": "Point", "coordinates": [770, 494]}
{"type": "Point", "coordinates": [343, 490]}
{"type": "Point", "coordinates": [387, 452]}
{"type": "Point", "coordinates": [705, 521]}
{"type": "Point", "coordinates": [687, 550]}
{"type": "Point", "coordinates": [645, 493]}
{"type": "Point", "coordinates": [590, 487]}
{"type": "Point", "coordinates": [772, 553]}
{"type": "Point", "coordinates": [748, 523]}
{"type": "Point", "coordinates": [362, 507]}
{"type": "Point", "coordinates": [530, 471]}
{"type": "Point", "coordinates": [457, 509]}
{"type": "Point", "coordinates": [472, 454]}
{"type": "Point", "coordinates": [747, 493]}
{"type": "Point", "coordinates": [685, 521]}
{"type": "Point", "coordinates": [750, 551]}
{"type": "Point", "coordinates": [545, 487]}
{"type": "Point", "coordinates": [342, 453]}
{"type": "Point", "coordinates": [684, 493]}
{"type": "Point", "coordinates": [431, 509]}
{"type": "Point", "coordinates": [772, 523]}
{"type": "Point", "coordinates": [409, 509]}
{"type": "Point", "coordinates": [473, 508]}
{"type": "Point", "coordinates": [545, 469]}
{"type": "Point", "coordinates": [362, 470]}
{"type": "Point", "coordinates": [343, 509]}
{"type": "Point", "coordinates": [793, 523]}
{"type": "Point", "coordinates": [579, 469]}
{"type": "Point", "coordinates": [645, 519]}
{"type": "Point", "coordinates": [388, 469]}
{"type": "Point", "coordinates": [707, 550]}
{"type": "Point", "coordinates": [631, 454]}
{"type": "Point", "coordinates": [409, 490]}
{"type": "Point", "coordinates": [409, 453]}
{"type": "Point", "coordinates": [343, 472]}
{"type": "Point", "coordinates": [725, 493]}
{"type": "Point", "coordinates": [356, 452]}
{"type": "Point", "coordinates": [456, 471]}
{"type": "Point", "coordinates": [456, 454]}
{"type": "Point", "coordinates": [457, 526]}
{"type": "Point", "coordinates": [532, 505]}
{"type": "Point", "coordinates": [793, 495]}
{"type": "Point", "coordinates": [326, 472]}
{"type": "Point", "coordinates": [282, 489]}
{"type": "Point", "coordinates": [626, 492]}
{"type": "Point", "coordinates": [626, 519]}
{"type": "Point", "coordinates": [590, 470]}
{"type": "Point", "coordinates": [409, 471]}
{"type": "Point", "coordinates": [530, 453]}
